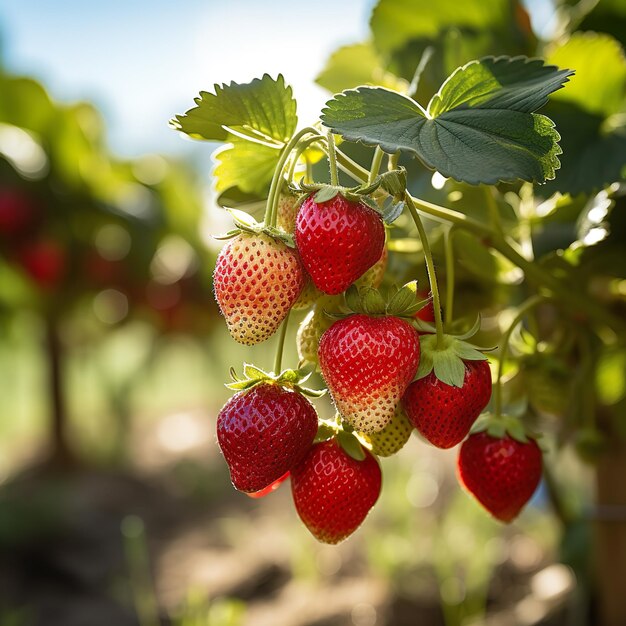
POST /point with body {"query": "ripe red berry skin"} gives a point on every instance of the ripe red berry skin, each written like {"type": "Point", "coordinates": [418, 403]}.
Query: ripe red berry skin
{"type": "Point", "coordinates": [44, 261]}
{"type": "Point", "coordinates": [444, 414]}
{"type": "Point", "coordinates": [263, 432]}
{"type": "Point", "coordinates": [257, 279]}
{"type": "Point", "coordinates": [501, 473]}
{"type": "Point", "coordinates": [270, 488]}
{"type": "Point", "coordinates": [333, 492]}
{"type": "Point", "coordinates": [367, 363]}
{"type": "Point", "coordinates": [17, 212]}
{"type": "Point", "coordinates": [338, 241]}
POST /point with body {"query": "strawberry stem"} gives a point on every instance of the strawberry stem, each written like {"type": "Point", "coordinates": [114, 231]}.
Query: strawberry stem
{"type": "Point", "coordinates": [376, 161]}
{"type": "Point", "coordinates": [332, 160]}
{"type": "Point", "coordinates": [430, 268]}
{"type": "Point", "coordinates": [494, 213]}
{"type": "Point", "coordinates": [300, 148]}
{"type": "Point", "coordinates": [521, 312]}
{"type": "Point", "coordinates": [449, 254]}
{"type": "Point", "coordinates": [278, 359]}
{"type": "Point", "coordinates": [271, 208]}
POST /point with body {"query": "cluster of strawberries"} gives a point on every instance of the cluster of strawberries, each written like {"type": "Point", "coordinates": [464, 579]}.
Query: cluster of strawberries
{"type": "Point", "coordinates": [384, 374]}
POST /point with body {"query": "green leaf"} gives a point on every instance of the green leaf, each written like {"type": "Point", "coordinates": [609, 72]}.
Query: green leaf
{"type": "Point", "coordinates": [254, 373]}
{"type": "Point", "coordinates": [325, 431]}
{"type": "Point", "coordinates": [312, 393]}
{"type": "Point", "coordinates": [351, 445]}
{"type": "Point", "coordinates": [263, 110]}
{"type": "Point", "coordinates": [354, 65]}
{"type": "Point", "coordinates": [246, 166]}
{"type": "Point", "coordinates": [353, 298]}
{"type": "Point", "coordinates": [426, 365]}
{"type": "Point", "coordinates": [590, 114]}
{"type": "Point", "coordinates": [482, 131]}
{"type": "Point", "coordinates": [372, 302]}
{"type": "Point", "coordinates": [599, 85]}
{"type": "Point", "coordinates": [503, 83]}
{"type": "Point", "coordinates": [392, 211]}
{"type": "Point", "coordinates": [241, 218]}
{"type": "Point", "coordinates": [401, 301]}
{"type": "Point", "coordinates": [370, 202]}
{"type": "Point", "coordinates": [394, 182]}
{"type": "Point", "coordinates": [395, 23]}
{"type": "Point", "coordinates": [325, 194]}
{"type": "Point", "coordinates": [448, 368]}
{"type": "Point", "coordinates": [468, 352]}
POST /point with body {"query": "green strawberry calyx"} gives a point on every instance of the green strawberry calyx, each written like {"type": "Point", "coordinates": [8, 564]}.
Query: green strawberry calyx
{"type": "Point", "coordinates": [344, 434]}
{"type": "Point", "coordinates": [245, 223]}
{"type": "Point", "coordinates": [398, 302]}
{"type": "Point", "coordinates": [500, 426]}
{"type": "Point", "coordinates": [447, 359]}
{"type": "Point", "coordinates": [289, 378]}
{"type": "Point", "coordinates": [392, 183]}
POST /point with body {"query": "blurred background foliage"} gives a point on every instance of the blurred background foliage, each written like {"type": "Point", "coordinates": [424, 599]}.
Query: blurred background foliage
{"type": "Point", "coordinates": [115, 506]}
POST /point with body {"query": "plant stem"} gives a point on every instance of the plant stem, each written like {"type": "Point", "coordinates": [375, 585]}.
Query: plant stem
{"type": "Point", "coordinates": [332, 160]}
{"type": "Point", "coordinates": [60, 450]}
{"type": "Point", "coordinates": [300, 148]}
{"type": "Point", "coordinates": [137, 557]}
{"type": "Point", "coordinates": [376, 161]}
{"type": "Point", "coordinates": [272, 198]}
{"type": "Point", "coordinates": [430, 268]}
{"type": "Point", "coordinates": [447, 242]}
{"type": "Point", "coordinates": [522, 310]}
{"type": "Point", "coordinates": [278, 359]}
{"type": "Point", "coordinates": [561, 511]}
{"type": "Point", "coordinates": [494, 213]}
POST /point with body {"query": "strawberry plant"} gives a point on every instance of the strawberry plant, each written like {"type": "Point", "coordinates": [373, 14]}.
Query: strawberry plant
{"type": "Point", "coordinates": [519, 221]}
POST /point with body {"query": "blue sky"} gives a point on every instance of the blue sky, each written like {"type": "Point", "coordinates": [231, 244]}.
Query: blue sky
{"type": "Point", "coordinates": [141, 61]}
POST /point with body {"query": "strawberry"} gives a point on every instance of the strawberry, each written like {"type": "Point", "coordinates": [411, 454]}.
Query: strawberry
{"type": "Point", "coordinates": [287, 211]}
{"type": "Point", "coordinates": [308, 296]}
{"type": "Point", "coordinates": [312, 328]}
{"type": "Point", "coordinates": [426, 313]}
{"type": "Point", "coordinates": [548, 383]}
{"type": "Point", "coordinates": [338, 240]}
{"type": "Point", "coordinates": [263, 432]}
{"type": "Point", "coordinates": [257, 279]}
{"type": "Point", "coordinates": [444, 414]}
{"type": "Point", "coordinates": [375, 274]}
{"type": "Point", "coordinates": [270, 488]}
{"type": "Point", "coordinates": [367, 363]}
{"type": "Point", "coordinates": [334, 492]}
{"type": "Point", "coordinates": [44, 260]}
{"type": "Point", "coordinates": [393, 437]}
{"type": "Point", "coordinates": [502, 473]}
{"type": "Point", "coordinates": [18, 212]}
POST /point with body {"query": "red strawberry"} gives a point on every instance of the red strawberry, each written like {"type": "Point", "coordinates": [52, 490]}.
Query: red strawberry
{"type": "Point", "coordinates": [333, 492]}
{"type": "Point", "coordinates": [427, 312]}
{"type": "Point", "coordinates": [270, 488]}
{"type": "Point", "coordinates": [338, 240]}
{"type": "Point", "coordinates": [257, 279]}
{"type": "Point", "coordinates": [444, 414]}
{"type": "Point", "coordinates": [501, 473]}
{"type": "Point", "coordinates": [263, 432]}
{"type": "Point", "coordinates": [17, 212]}
{"type": "Point", "coordinates": [375, 274]}
{"type": "Point", "coordinates": [44, 261]}
{"type": "Point", "coordinates": [367, 363]}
